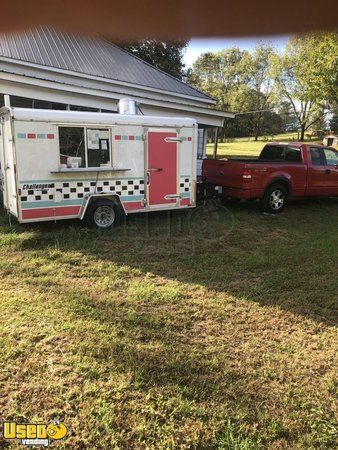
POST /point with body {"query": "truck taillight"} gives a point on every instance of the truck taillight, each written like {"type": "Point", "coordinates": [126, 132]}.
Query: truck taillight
{"type": "Point", "coordinates": [247, 174]}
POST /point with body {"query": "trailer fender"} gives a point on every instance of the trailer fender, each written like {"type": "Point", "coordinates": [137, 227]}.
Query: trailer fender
{"type": "Point", "coordinates": [113, 197]}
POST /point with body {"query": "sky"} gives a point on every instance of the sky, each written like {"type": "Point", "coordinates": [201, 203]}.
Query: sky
{"type": "Point", "coordinates": [198, 46]}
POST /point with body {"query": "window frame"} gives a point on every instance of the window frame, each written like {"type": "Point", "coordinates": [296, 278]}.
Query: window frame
{"type": "Point", "coordinates": [84, 142]}
{"type": "Point", "coordinates": [299, 152]}
{"type": "Point", "coordinates": [324, 156]}
{"type": "Point", "coordinates": [85, 128]}
{"type": "Point", "coordinates": [285, 147]}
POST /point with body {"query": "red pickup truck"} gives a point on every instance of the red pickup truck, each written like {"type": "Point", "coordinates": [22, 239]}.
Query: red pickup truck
{"type": "Point", "coordinates": [282, 171]}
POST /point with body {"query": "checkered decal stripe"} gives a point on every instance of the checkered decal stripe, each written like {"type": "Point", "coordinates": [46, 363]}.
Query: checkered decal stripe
{"type": "Point", "coordinates": [185, 185]}
{"type": "Point", "coordinates": [74, 190]}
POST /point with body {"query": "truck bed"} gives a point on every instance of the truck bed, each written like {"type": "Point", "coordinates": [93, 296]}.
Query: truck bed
{"type": "Point", "coordinates": [247, 178]}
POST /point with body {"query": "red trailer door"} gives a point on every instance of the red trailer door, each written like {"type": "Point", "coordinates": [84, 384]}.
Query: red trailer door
{"type": "Point", "coordinates": [162, 168]}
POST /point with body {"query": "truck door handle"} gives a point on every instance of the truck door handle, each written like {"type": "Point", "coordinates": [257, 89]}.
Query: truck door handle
{"type": "Point", "coordinates": [155, 169]}
{"type": "Point", "coordinates": [327, 171]}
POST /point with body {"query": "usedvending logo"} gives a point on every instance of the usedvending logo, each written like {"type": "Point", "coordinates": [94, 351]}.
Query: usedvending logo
{"type": "Point", "coordinates": [34, 433]}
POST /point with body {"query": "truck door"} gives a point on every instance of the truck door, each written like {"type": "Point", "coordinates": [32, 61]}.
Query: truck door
{"type": "Point", "coordinates": [161, 167]}
{"type": "Point", "coordinates": [331, 170]}
{"type": "Point", "coordinates": [316, 182]}
{"type": "Point", "coordinates": [8, 168]}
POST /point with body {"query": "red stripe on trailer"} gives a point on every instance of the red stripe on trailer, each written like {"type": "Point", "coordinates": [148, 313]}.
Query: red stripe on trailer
{"type": "Point", "coordinates": [185, 202]}
{"type": "Point", "coordinates": [117, 137]}
{"type": "Point", "coordinates": [31, 136]}
{"type": "Point", "coordinates": [131, 138]}
{"type": "Point", "coordinates": [133, 205]}
{"type": "Point", "coordinates": [50, 136]}
{"type": "Point", "coordinates": [42, 213]}
{"type": "Point", "coordinates": [189, 138]}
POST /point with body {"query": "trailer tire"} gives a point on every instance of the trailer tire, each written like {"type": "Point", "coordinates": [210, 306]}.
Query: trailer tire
{"type": "Point", "coordinates": [103, 214]}
{"type": "Point", "coordinates": [275, 199]}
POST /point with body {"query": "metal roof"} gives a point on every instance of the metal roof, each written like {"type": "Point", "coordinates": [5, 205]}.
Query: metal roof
{"type": "Point", "coordinates": [88, 55]}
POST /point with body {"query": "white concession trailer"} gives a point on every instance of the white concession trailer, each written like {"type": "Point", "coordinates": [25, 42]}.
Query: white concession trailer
{"type": "Point", "coordinates": [95, 166]}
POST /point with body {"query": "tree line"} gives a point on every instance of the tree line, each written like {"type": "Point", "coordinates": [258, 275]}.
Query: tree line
{"type": "Point", "coordinates": [270, 92]}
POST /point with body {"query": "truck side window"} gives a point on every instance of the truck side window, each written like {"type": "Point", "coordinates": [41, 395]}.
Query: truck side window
{"type": "Point", "coordinates": [273, 153]}
{"type": "Point", "coordinates": [268, 153]}
{"type": "Point", "coordinates": [98, 147]}
{"type": "Point", "coordinates": [293, 154]}
{"type": "Point", "coordinates": [316, 156]}
{"type": "Point", "coordinates": [331, 157]}
{"type": "Point", "coordinates": [71, 140]}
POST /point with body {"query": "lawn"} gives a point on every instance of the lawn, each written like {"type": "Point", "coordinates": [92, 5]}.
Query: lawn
{"type": "Point", "coordinates": [248, 147]}
{"type": "Point", "coordinates": [215, 329]}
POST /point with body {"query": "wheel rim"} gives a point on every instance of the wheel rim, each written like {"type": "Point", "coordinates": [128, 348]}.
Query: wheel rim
{"type": "Point", "coordinates": [276, 199]}
{"type": "Point", "coordinates": [104, 216]}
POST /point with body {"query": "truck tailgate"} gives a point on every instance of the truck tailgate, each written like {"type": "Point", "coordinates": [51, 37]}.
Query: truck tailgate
{"type": "Point", "coordinates": [223, 173]}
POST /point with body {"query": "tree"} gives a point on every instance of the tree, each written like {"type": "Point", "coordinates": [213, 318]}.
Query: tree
{"type": "Point", "coordinates": [334, 122]}
{"type": "Point", "coordinates": [164, 55]}
{"type": "Point", "coordinates": [218, 74]}
{"type": "Point", "coordinates": [289, 121]}
{"type": "Point", "coordinates": [257, 77]}
{"type": "Point", "coordinates": [306, 75]}
{"type": "Point", "coordinates": [240, 82]}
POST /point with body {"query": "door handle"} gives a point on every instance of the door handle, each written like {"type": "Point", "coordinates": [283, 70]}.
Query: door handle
{"type": "Point", "coordinates": [172, 139]}
{"type": "Point", "coordinates": [172, 196]}
{"type": "Point", "coordinates": [155, 169]}
{"type": "Point", "coordinates": [327, 171]}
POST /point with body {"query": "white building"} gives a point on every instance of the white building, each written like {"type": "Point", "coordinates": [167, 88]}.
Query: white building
{"type": "Point", "coordinates": [43, 68]}
{"type": "Point", "coordinates": [330, 140]}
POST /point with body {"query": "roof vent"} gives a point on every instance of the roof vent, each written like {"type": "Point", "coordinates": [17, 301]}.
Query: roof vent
{"type": "Point", "coordinates": [127, 106]}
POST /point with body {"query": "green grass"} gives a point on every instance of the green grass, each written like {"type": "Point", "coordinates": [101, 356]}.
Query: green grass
{"type": "Point", "coordinates": [247, 146]}
{"type": "Point", "coordinates": [214, 330]}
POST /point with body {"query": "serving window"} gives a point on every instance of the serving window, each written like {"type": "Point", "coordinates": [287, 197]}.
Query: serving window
{"type": "Point", "coordinates": [98, 148]}
{"type": "Point", "coordinates": [72, 145]}
{"type": "Point", "coordinates": [84, 147]}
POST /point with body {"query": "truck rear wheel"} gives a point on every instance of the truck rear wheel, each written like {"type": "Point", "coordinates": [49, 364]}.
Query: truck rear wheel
{"type": "Point", "coordinates": [103, 214]}
{"type": "Point", "coordinates": [275, 199]}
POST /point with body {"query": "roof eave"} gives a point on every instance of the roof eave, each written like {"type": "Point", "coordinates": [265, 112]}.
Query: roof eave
{"type": "Point", "coordinates": [208, 100]}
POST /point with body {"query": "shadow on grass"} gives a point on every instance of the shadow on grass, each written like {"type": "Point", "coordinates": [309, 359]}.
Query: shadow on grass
{"type": "Point", "coordinates": [287, 260]}
{"type": "Point", "coordinates": [284, 261]}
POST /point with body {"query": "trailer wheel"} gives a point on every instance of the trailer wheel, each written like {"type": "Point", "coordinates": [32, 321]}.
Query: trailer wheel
{"type": "Point", "coordinates": [275, 199]}
{"type": "Point", "coordinates": [102, 214]}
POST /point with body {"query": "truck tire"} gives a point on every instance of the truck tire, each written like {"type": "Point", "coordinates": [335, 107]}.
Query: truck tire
{"type": "Point", "coordinates": [103, 214]}
{"type": "Point", "coordinates": [275, 199]}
